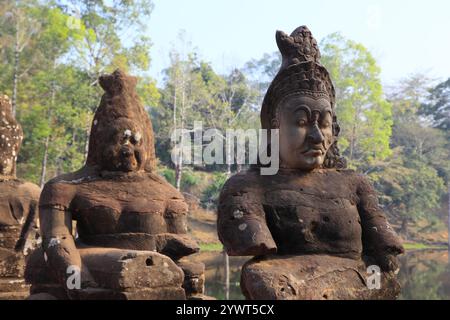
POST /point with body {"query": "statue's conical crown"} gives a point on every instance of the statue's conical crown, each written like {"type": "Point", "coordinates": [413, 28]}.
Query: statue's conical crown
{"type": "Point", "coordinates": [119, 102]}
{"type": "Point", "coordinates": [300, 73]}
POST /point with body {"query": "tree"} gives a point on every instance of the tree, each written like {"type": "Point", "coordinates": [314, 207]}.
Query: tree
{"type": "Point", "coordinates": [411, 181]}
{"type": "Point", "coordinates": [19, 29]}
{"type": "Point", "coordinates": [111, 35]}
{"type": "Point", "coordinates": [260, 73]}
{"type": "Point", "coordinates": [363, 112]}
{"type": "Point", "coordinates": [56, 93]}
{"type": "Point", "coordinates": [438, 106]}
{"type": "Point", "coordinates": [410, 191]}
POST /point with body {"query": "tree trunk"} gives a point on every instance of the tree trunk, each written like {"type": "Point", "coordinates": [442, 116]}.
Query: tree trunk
{"type": "Point", "coordinates": [175, 108]}
{"type": "Point", "coordinates": [179, 166]}
{"type": "Point", "coordinates": [448, 183]}
{"type": "Point", "coordinates": [352, 141]}
{"type": "Point", "coordinates": [47, 139]}
{"type": "Point", "coordinates": [86, 144]}
{"type": "Point", "coordinates": [226, 261]}
{"type": "Point", "coordinates": [404, 227]}
{"type": "Point", "coordinates": [228, 160]}
{"type": "Point", "coordinates": [44, 162]}
{"type": "Point", "coordinates": [16, 74]}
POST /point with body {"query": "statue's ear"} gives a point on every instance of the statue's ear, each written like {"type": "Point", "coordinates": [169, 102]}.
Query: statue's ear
{"type": "Point", "coordinates": [106, 82]}
{"type": "Point", "coordinates": [275, 123]}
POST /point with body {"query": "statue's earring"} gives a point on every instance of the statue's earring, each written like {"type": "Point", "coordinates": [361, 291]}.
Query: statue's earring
{"type": "Point", "coordinates": [275, 123]}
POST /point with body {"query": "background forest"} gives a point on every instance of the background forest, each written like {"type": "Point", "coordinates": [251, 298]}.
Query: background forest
{"type": "Point", "coordinates": [51, 58]}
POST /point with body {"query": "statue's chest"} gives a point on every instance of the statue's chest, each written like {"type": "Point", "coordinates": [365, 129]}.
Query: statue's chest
{"type": "Point", "coordinates": [119, 208]}
{"type": "Point", "coordinates": [314, 217]}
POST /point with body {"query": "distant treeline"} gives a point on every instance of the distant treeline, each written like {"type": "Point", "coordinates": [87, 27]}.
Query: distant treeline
{"type": "Point", "coordinates": [52, 52]}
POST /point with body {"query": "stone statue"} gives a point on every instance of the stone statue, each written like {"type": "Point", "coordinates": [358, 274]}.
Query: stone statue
{"type": "Point", "coordinates": [18, 209]}
{"type": "Point", "coordinates": [131, 224]}
{"type": "Point", "coordinates": [316, 228]}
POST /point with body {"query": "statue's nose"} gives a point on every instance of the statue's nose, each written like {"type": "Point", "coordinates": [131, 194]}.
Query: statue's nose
{"type": "Point", "coordinates": [125, 151]}
{"type": "Point", "coordinates": [315, 135]}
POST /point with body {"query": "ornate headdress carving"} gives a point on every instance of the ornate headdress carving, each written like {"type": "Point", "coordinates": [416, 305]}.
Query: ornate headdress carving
{"type": "Point", "coordinates": [11, 136]}
{"type": "Point", "coordinates": [120, 103]}
{"type": "Point", "coordinates": [300, 74]}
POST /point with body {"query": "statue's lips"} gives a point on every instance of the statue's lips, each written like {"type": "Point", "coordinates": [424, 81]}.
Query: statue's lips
{"type": "Point", "coordinates": [313, 153]}
{"type": "Point", "coordinates": [128, 161]}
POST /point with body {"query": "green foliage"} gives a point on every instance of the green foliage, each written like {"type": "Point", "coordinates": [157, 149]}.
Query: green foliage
{"type": "Point", "coordinates": [411, 191]}
{"type": "Point", "coordinates": [61, 55]}
{"type": "Point", "coordinates": [412, 181]}
{"type": "Point", "coordinates": [365, 116]}
{"type": "Point", "coordinates": [168, 174]}
{"type": "Point", "coordinates": [193, 91]}
{"type": "Point", "coordinates": [189, 178]}
{"type": "Point", "coordinates": [438, 106]}
{"type": "Point", "coordinates": [402, 142]}
{"type": "Point", "coordinates": [211, 247]}
{"type": "Point", "coordinates": [211, 194]}
{"type": "Point", "coordinates": [261, 72]}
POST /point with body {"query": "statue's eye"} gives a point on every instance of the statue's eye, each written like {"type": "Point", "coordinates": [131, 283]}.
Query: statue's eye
{"type": "Point", "coordinates": [326, 124]}
{"type": "Point", "coordinates": [302, 123]}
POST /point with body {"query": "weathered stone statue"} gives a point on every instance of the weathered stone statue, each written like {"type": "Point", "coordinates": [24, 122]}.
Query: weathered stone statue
{"type": "Point", "coordinates": [18, 208]}
{"type": "Point", "coordinates": [315, 227]}
{"type": "Point", "coordinates": [131, 224]}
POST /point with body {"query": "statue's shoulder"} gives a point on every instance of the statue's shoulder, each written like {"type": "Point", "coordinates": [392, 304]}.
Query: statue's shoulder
{"type": "Point", "coordinates": [242, 186]}
{"type": "Point", "coordinates": [61, 190]}
{"type": "Point", "coordinates": [29, 190]}
{"type": "Point", "coordinates": [347, 173]}
{"type": "Point", "coordinates": [361, 181]}
{"type": "Point", "coordinates": [244, 179]}
{"type": "Point", "coordinates": [157, 178]}
{"type": "Point", "coordinates": [164, 186]}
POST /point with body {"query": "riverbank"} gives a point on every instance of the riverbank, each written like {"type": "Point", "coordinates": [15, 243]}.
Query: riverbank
{"type": "Point", "coordinates": [424, 246]}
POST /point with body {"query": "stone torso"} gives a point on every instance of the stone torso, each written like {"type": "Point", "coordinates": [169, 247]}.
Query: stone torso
{"type": "Point", "coordinates": [119, 204]}
{"type": "Point", "coordinates": [313, 212]}
{"type": "Point", "coordinates": [16, 199]}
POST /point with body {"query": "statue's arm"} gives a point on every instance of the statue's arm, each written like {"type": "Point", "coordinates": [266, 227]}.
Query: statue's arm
{"type": "Point", "coordinates": [28, 226]}
{"type": "Point", "coordinates": [57, 240]}
{"type": "Point", "coordinates": [175, 216]}
{"type": "Point", "coordinates": [58, 243]}
{"type": "Point", "coordinates": [379, 239]}
{"type": "Point", "coordinates": [61, 253]}
{"type": "Point", "coordinates": [242, 226]}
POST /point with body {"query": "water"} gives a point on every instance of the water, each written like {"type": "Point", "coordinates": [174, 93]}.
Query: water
{"type": "Point", "coordinates": [424, 274]}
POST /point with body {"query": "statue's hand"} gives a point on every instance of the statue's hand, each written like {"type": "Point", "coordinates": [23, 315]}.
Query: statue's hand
{"type": "Point", "coordinates": [87, 280]}
{"type": "Point", "coordinates": [388, 263]}
{"type": "Point", "coordinates": [385, 256]}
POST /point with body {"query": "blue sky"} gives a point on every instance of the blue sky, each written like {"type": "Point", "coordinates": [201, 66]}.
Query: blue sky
{"type": "Point", "coordinates": [405, 36]}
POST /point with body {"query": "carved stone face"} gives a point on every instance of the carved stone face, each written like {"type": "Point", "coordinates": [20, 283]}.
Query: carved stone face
{"type": "Point", "coordinates": [306, 134]}
{"type": "Point", "coordinates": [125, 151]}
{"type": "Point", "coordinates": [121, 134]}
